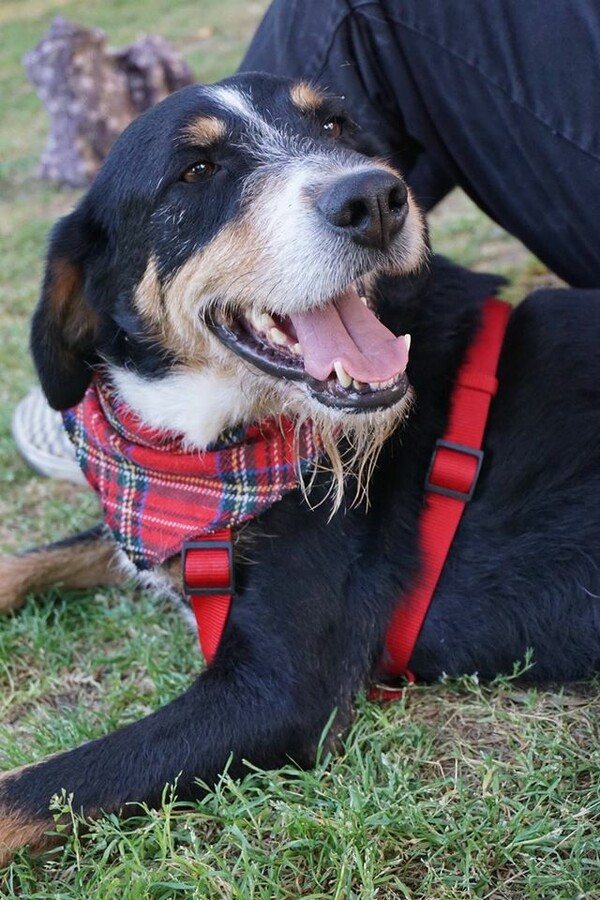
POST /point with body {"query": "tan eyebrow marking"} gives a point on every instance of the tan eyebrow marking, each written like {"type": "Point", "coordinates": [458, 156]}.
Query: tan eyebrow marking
{"type": "Point", "coordinates": [305, 96]}
{"type": "Point", "coordinates": [205, 130]}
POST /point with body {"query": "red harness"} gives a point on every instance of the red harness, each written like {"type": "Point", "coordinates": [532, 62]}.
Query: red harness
{"type": "Point", "coordinates": [450, 485]}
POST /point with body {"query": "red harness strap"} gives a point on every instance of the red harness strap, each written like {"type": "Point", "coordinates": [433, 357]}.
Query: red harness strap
{"type": "Point", "coordinates": [208, 582]}
{"type": "Point", "coordinates": [450, 484]}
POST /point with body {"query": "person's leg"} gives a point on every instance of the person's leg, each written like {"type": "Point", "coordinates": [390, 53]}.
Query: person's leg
{"type": "Point", "coordinates": [499, 96]}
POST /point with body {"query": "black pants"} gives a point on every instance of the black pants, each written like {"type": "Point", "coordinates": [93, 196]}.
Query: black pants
{"type": "Point", "coordinates": [499, 96]}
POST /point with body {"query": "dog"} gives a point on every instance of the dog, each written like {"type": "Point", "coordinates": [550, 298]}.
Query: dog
{"type": "Point", "coordinates": [205, 278]}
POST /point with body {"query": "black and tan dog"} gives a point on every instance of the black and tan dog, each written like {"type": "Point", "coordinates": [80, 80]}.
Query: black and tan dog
{"type": "Point", "coordinates": [230, 235]}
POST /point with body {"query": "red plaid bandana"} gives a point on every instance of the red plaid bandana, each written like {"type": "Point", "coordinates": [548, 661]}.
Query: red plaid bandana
{"type": "Point", "coordinates": [156, 495]}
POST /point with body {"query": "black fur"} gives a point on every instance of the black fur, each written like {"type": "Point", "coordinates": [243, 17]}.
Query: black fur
{"type": "Point", "coordinates": [306, 628]}
{"type": "Point", "coordinates": [130, 211]}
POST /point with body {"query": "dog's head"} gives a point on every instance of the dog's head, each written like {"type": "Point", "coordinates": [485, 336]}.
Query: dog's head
{"type": "Point", "coordinates": [222, 267]}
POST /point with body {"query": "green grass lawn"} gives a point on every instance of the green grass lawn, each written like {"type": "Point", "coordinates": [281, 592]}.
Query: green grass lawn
{"type": "Point", "coordinates": [460, 790]}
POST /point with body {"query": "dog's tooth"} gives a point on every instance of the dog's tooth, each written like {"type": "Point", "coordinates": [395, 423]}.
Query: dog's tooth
{"type": "Point", "coordinates": [375, 385]}
{"type": "Point", "coordinates": [407, 341]}
{"type": "Point", "coordinates": [296, 349]}
{"type": "Point", "coordinates": [344, 379]}
{"type": "Point", "coordinates": [253, 318]}
{"type": "Point", "coordinates": [256, 321]}
{"type": "Point", "coordinates": [358, 384]}
{"type": "Point", "coordinates": [278, 336]}
{"type": "Point", "coordinates": [266, 322]}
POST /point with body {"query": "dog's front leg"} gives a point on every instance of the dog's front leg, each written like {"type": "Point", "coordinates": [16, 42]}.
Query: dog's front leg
{"type": "Point", "coordinates": [242, 710]}
{"type": "Point", "coordinates": [277, 677]}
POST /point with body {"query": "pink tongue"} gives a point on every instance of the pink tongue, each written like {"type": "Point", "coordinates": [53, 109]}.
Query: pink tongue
{"type": "Point", "coordinates": [347, 330]}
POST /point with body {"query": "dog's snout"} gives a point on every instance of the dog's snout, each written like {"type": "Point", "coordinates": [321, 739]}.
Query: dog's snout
{"type": "Point", "coordinates": [370, 206]}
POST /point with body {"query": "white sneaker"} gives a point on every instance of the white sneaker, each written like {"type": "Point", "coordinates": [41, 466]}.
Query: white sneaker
{"type": "Point", "coordinates": [42, 441]}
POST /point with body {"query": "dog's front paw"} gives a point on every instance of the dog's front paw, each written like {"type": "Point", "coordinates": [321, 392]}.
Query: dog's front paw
{"type": "Point", "coordinates": [17, 833]}
{"type": "Point", "coordinates": [24, 821]}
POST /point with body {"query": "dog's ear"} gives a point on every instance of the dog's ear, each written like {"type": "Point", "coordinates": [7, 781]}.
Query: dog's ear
{"type": "Point", "coordinates": [64, 326]}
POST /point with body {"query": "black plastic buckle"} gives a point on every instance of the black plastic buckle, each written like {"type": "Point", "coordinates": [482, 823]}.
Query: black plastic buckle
{"type": "Point", "coordinates": [208, 545]}
{"type": "Point", "coordinates": [465, 496]}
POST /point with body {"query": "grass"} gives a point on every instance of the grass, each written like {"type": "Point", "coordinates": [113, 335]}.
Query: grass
{"type": "Point", "coordinates": [459, 790]}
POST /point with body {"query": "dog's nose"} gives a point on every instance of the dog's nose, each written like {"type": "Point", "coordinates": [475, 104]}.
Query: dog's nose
{"type": "Point", "coordinates": [371, 206]}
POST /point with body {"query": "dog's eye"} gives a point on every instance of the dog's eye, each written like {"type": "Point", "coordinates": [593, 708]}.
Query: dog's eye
{"type": "Point", "coordinates": [200, 171]}
{"type": "Point", "coordinates": [333, 127]}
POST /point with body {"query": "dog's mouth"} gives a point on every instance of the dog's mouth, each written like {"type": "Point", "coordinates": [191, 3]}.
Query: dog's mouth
{"type": "Point", "coordinates": [341, 351]}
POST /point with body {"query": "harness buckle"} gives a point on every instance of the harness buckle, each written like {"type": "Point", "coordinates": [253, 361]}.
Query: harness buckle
{"type": "Point", "coordinates": [191, 557]}
{"type": "Point", "coordinates": [470, 477]}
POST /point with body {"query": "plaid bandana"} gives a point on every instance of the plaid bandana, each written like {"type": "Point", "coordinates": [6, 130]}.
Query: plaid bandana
{"type": "Point", "coordinates": [156, 495]}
